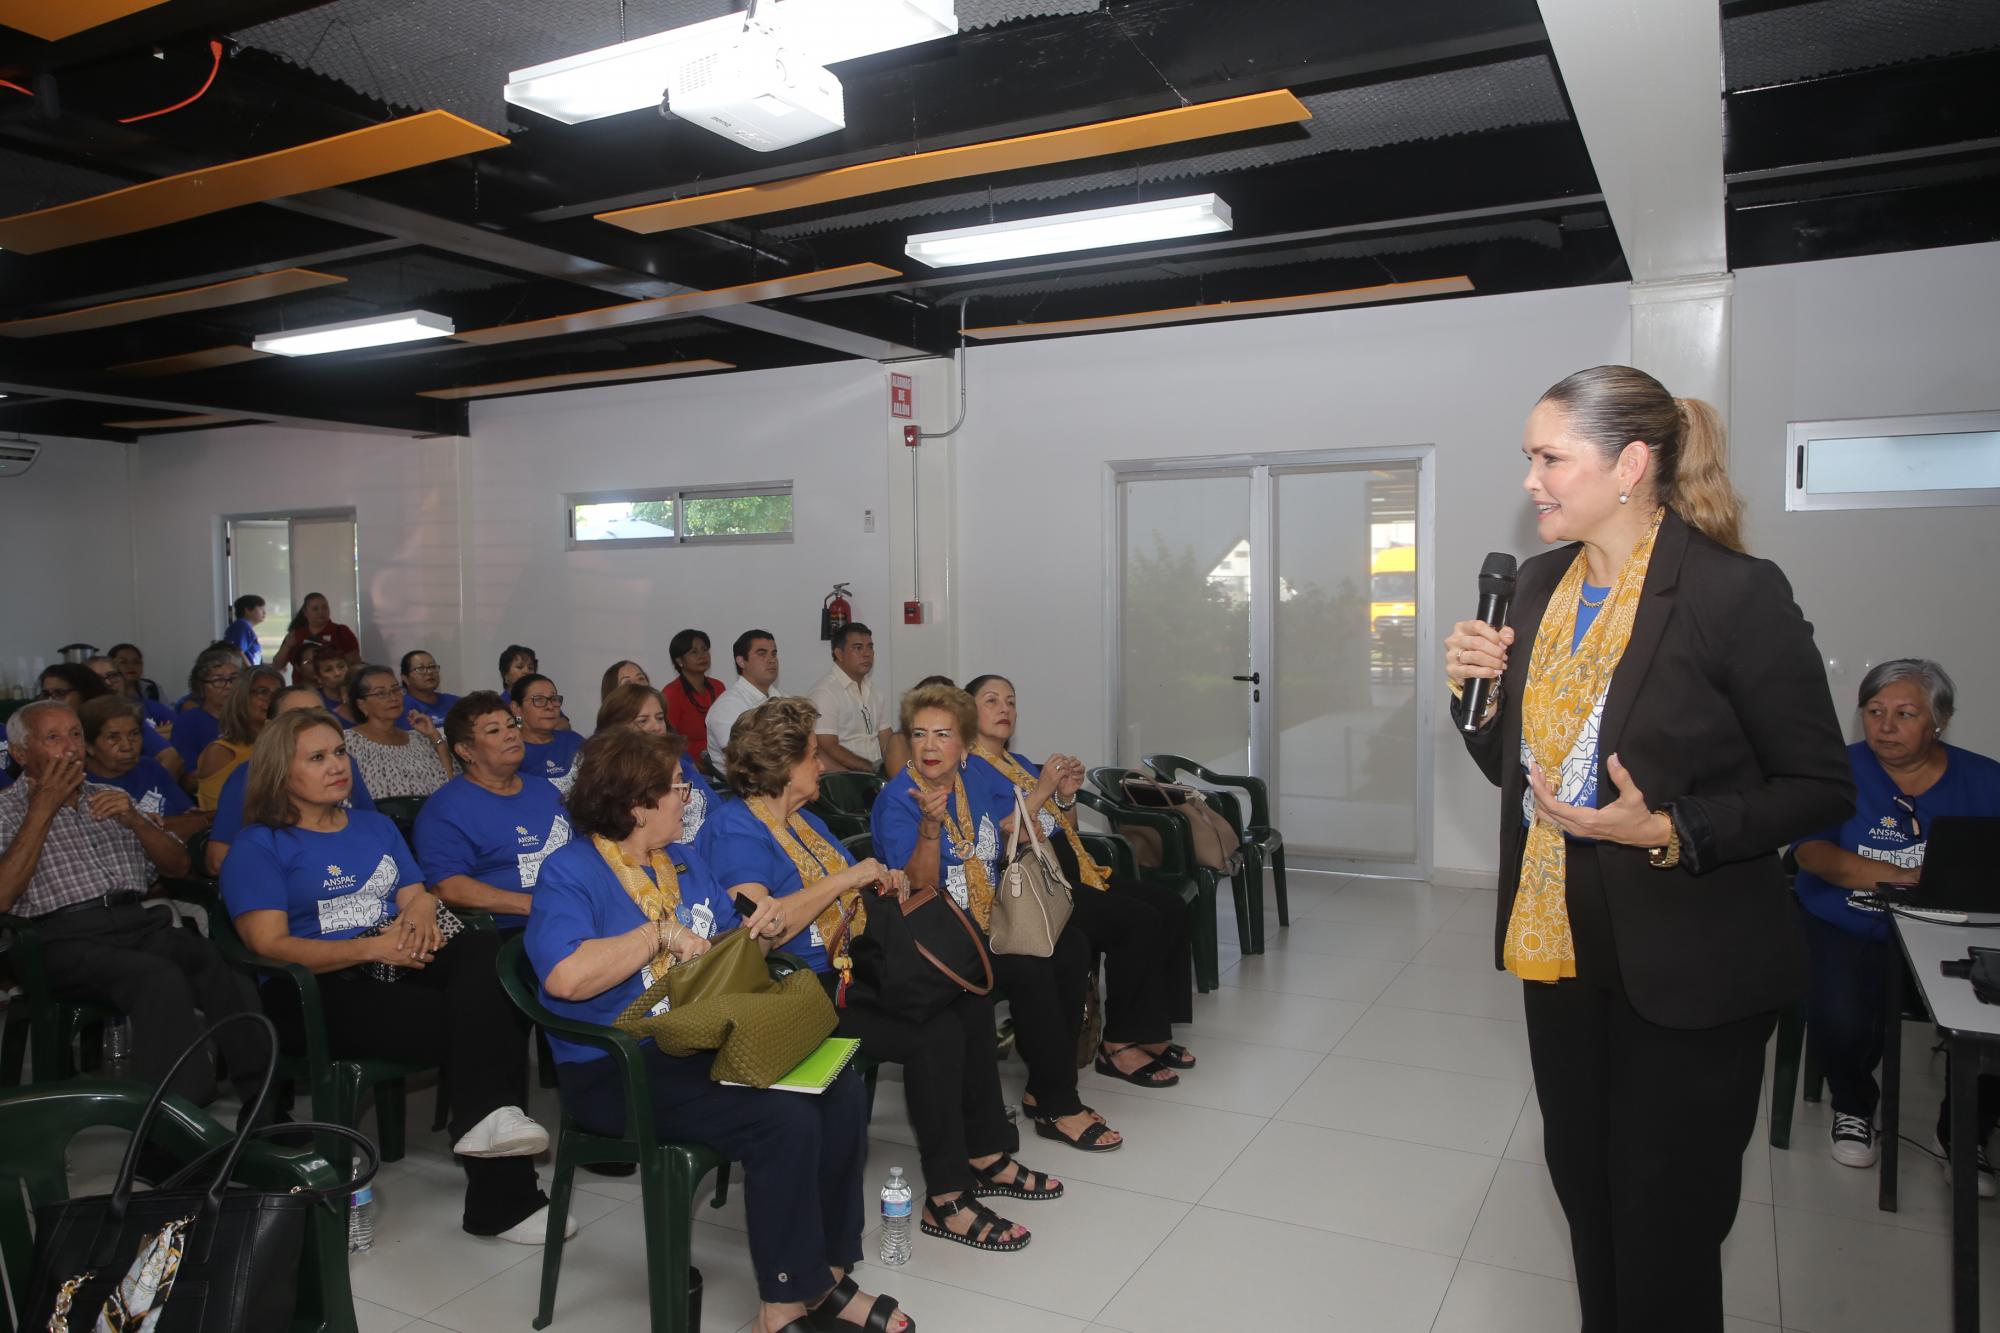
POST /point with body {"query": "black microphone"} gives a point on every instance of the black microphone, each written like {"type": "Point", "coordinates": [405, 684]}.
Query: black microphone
{"type": "Point", "coordinates": [1496, 591]}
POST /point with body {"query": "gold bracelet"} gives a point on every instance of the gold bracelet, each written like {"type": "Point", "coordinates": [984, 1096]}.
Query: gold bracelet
{"type": "Point", "coordinates": [1669, 856]}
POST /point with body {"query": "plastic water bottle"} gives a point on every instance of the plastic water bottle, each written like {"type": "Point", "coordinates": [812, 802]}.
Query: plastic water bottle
{"type": "Point", "coordinates": [897, 1203]}
{"type": "Point", "coordinates": [361, 1219]}
{"type": "Point", "coordinates": [117, 1046]}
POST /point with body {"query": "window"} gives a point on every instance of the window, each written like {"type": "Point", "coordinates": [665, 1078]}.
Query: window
{"type": "Point", "coordinates": [686, 516]}
{"type": "Point", "coordinates": [1894, 462]}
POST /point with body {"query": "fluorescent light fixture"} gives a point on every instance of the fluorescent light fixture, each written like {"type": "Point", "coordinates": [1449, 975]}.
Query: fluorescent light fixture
{"type": "Point", "coordinates": [1093, 229]}
{"type": "Point", "coordinates": [375, 331]}
{"type": "Point", "coordinates": [632, 75]}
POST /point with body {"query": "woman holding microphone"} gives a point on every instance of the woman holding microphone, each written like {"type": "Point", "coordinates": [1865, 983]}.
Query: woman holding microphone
{"type": "Point", "coordinates": [1659, 726]}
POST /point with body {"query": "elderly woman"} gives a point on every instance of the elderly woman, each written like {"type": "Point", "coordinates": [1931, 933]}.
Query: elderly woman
{"type": "Point", "coordinates": [399, 753]}
{"type": "Point", "coordinates": [1905, 775]}
{"type": "Point", "coordinates": [112, 732]}
{"type": "Point", "coordinates": [626, 672]}
{"type": "Point", "coordinates": [614, 910]}
{"type": "Point", "coordinates": [940, 822]}
{"type": "Point", "coordinates": [1141, 929]}
{"type": "Point", "coordinates": [228, 818]}
{"type": "Point", "coordinates": [691, 692]}
{"type": "Point", "coordinates": [551, 747]}
{"type": "Point", "coordinates": [310, 881]}
{"type": "Point", "coordinates": [482, 836]}
{"type": "Point", "coordinates": [158, 717]}
{"type": "Point", "coordinates": [421, 678]}
{"type": "Point", "coordinates": [213, 676]}
{"type": "Point", "coordinates": [638, 705]}
{"type": "Point", "coordinates": [243, 717]}
{"type": "Point", "coordinates": [314, 625]}
{"type": "Point", "coordinates": [768, 847]}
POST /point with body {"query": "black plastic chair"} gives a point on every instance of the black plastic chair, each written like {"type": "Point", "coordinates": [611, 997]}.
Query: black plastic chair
{"type": "Point", "coordinates": [1262, 843]}
{"type": "Point", "coordinates": [36, 1016]}
{"type": "Point", "coordinates": [402, 812]}
{"type": "Point", "coordinates": [1197, 884]}
{"type": "Point", "coordinates": [850, 793]}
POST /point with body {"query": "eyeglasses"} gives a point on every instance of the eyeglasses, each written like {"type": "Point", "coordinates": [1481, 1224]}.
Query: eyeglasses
{"type": "Point", "coordinates": [263, 691]}
{"type": "Point", "coordinates": [430, 670]}
{"type": "Point", "coordinates": [58, 693]}
{"type": "Point", "coordinates": [544, 700]}
{"type": "Point", "coordinates": [1908, 806]}
{"type": "Point", "coordinates": [222, 680]}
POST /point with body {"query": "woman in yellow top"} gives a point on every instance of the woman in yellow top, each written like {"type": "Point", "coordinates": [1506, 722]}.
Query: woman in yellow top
{"type": "Point", "coordinates": [243, 715]}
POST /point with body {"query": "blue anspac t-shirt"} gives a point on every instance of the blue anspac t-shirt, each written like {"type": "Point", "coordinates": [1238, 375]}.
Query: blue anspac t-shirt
{"type": "Point", "coordinates": [895, 817]}
{"type": "Point", "coordinates": [579, 899]}
{"type": "Point", "coordinates": [152, 789]}
{"type": "Point", "coordinates": [242, 636]}
{"type": "Point", "coordinates": [228, 820]}
{"type": "Point", "coordinates": [330, 886]}
{"type": "Point", "coordinates": [465, 829]}
{"type": "Point", "coordinates": [1880, 829]}
{"type": "Point", "coordinates": [194, 729]}
{"type": "Point", "coordinates": [554, 759]}
{"type": "Point", "coordinates": [436, 711]}
{"type": "Point", "coordinates": [741, 850]}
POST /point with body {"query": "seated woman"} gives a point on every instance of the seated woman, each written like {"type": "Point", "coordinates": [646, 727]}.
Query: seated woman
{"type": "Point", "coordinates": [393, 760]}
{"type": "Point", "coordinates": [158, 718]}
{"type": "Point", "coordinates": [1148, 965]}
{"type": "Point", "coordinates": [243, 717]}
{"type": "Point", "coordinates": [246, 614]}
{"type": "Point", "coordinates": [421, 693]}
{"type": "Point", "coordinates": [1905, 775]}
{"type": "Point", "coordinates": [482, 836]}
{"type": "Point", "coordinates": [938, 821]}
{"type": "Point", "coordinates": [133, 663]}
{"type": "Point", "coordinates": [213, 676]}
{"type": "Point", "coordinates": [638, 705]}
{"type": "Point", "coordinates": [691, 692]}
{"type": "Point", "coordinates": [621, 673]}
{"type": "Point", "coordinates": [228, 818]}
{"type": "Point", "coordinates": [111, 736]}
{"type": "Point", "coordinates": [309, 881]}
{"type": "Point", "coordinates": [768, 847]}
{"type": "Point", "coordinates": [614, 910]}
{"type": "Point", "coordinates": [314, 624]}
{"type": "Point", "coordinates": [551, 747]}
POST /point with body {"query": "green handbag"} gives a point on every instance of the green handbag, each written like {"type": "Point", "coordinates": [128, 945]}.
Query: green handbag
{"type": "Point", "coordinates": [727, 1002]}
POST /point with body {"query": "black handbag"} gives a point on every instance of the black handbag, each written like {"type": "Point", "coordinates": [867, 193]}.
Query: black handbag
{"type": "Point", "coordinates": [915, 958]}
{"type": "Point", "coordinates": [197, 1257]}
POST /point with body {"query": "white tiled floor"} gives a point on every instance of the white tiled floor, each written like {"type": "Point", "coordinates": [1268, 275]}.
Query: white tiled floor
{"type": "Point", "coordinates": [1360, 1150]}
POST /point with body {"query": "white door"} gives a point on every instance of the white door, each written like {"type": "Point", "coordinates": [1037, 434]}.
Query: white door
{"type": "Point", "coordinates": [284, 558]}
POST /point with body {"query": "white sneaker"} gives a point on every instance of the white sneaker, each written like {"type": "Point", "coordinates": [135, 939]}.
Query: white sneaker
{"type": "Point", "coordinates": [1989, 1184]}
{"type": "Point", "coordinates": [534, 1228]}
{"type": "Point", "coordinates": [1853, 1140]}
{"type": "Point", "coordinates": [507, 1132]}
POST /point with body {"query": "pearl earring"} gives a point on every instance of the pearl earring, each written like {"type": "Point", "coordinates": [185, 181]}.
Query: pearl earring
{"type": "Point", "coordinates": [1624, 497]}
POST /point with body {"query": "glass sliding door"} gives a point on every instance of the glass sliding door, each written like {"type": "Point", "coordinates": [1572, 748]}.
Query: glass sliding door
{"type": "Point", "coordinates": [282, 558]}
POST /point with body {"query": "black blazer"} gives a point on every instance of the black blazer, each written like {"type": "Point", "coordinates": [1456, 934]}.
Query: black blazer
{"type": "Point", "coordinates": [1720, 709]}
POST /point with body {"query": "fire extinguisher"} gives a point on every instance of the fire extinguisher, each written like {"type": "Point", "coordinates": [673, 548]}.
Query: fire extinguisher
{"type": "Point", "coordinates": [835, 612]}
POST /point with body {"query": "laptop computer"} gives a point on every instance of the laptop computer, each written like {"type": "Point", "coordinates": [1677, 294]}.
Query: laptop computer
{"type": "Point", "coordinates": [1961, 870]}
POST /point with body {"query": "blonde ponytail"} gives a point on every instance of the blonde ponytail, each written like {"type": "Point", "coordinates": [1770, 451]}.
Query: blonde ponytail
{"type": "Point", "coordinates": [1702, 495]}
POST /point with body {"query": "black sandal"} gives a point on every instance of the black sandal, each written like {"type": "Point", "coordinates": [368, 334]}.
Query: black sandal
{"type": "Point", "coordinates": [1035, 1114]}
{"type": "Point", "coordinates": [1142, 1076]}
{"type": "Point", "coordinates": [1091, 1140]}
{"type": "Point", "coordinates": [987, 1223]}
{"type": "Point", "coordinates": [825, 1316]}
{"type": "Point", "coordinates": [1027, 1184]}
{"type": "Point", "coordinates": [1175, 1057]}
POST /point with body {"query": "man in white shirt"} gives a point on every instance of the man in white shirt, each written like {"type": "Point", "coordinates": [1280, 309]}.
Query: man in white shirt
{"type": "Point", "coordinates": [855, 730]}
{"type": "Point", "coordinates": [756, 680]}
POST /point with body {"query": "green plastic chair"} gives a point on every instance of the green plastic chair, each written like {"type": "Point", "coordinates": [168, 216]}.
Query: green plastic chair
{"type": "Point", "coordinates": [670, 1174]}
{"type": "Point", "coordinates": [402, 811]}
{"type": "Point", "coordinates": [336, 1087]}
{"type": "Point", "coordinates": [850, 793]}
{"type": "Point", "coordinates": [37, 1124]}
{"type": "Point", "coordinates": [36, 1016]}
{"type": "Point", "coordinates": [1263, 844]}
{"type": "Point", "coordinates": [842, 824]}
{"type": "Point", "coordinates": [1196, 883]}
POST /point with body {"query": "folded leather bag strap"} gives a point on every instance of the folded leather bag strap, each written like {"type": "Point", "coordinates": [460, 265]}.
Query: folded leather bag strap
{"type": "Point", "coordinates": [918, 898]}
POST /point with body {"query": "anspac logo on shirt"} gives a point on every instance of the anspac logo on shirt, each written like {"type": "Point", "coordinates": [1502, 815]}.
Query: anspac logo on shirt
{"type": "Point", "coordinates": [335, 880]}
{"type": "Point", "coordinates": [522, 836]}
{"type": "Point", "coordinates": [1886, 829]}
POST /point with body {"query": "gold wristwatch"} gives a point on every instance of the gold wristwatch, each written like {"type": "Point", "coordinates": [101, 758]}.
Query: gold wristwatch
{"type": "Point", "coordinates": [1669, 856]}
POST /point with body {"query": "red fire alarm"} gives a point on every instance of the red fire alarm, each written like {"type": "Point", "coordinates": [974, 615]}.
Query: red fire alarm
{"type": "Point", "coordinates": [912, 436]}
{"type": "Point", "coordinates": [913, 613]}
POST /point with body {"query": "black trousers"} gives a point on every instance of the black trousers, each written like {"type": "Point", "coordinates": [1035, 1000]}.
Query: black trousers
{"type": "Point", "coordinates": [1848, 1023]}
{"type": "Point", "coordinates": [453, 1014]}
{"type": "Point", "coordinates": [1045, 997]}
{"type": "Point", "coordinates": [802, 1157]}
{"type": "Point", "coordinates": [136, 960]}
{"type": "Point", "coordinates": [1644, 1130]}
{"type": "Point", "coordinates": [951, 1082]}
{"type": "Point", "coordinates": [1126, 930]}
{"type": "Point", "coordinates": [1176, 941]}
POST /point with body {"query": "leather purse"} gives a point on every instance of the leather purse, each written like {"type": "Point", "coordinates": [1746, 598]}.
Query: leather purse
{"type": "Point", "coordinates": [1216, 844]}
{"type": "Point", "coordinates": [726, 1001]}
{"type": "Point", "coordinates": [916, 957]}
{"type": "Point", "coordinates": [185, 1257]}
{"type": "Point", "coordinates": [1032, 903]}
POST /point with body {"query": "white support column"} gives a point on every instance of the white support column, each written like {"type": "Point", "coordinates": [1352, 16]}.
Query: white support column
{"type": "Point", "coordinates": [922, 530]}
{"type": "Point", "coordinates": [1680, 335]}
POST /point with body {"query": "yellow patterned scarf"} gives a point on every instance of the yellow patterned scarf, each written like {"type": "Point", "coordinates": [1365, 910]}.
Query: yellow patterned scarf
{"type": "Point", "coordinates": [1095, 875]}
{"type": "Point", "coordinates": [1561, 695]}
{"type": "Point", "coordinates": [964, 833]}
{"type": "Point", "coordinates": [814, 858]}
{"type": "Point", "coordinates": [659, 898]}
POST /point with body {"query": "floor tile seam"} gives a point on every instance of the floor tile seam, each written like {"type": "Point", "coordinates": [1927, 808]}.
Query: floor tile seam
{"type": "Point", "coordinates": [1527, 1084]}
{"type": "Point", "coordinates": [1337, 1231]}
{"type": "Point", "coordinates": [1454, 1013]}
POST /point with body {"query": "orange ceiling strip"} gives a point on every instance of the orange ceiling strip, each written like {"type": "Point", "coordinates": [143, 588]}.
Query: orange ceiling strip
{"type": "Point", "coordinates": [675, 307]}
{"type": "Point", "coordinates": [1098, 139]}
{"type": "Point", "coordinates": [175, 423]}
{"type": "Point", "coordinates": [377, 150]}
{"type": "Point", "coordinates": [660, 371]}
{"type": "Point", "coordinates": [1275, 305]}
{"type": "Point", "coordinates": [53, 20]}
{"type": "Point", "coordinates": [256, 287]}
{"type": "Point", "coordinates": [206, 359]}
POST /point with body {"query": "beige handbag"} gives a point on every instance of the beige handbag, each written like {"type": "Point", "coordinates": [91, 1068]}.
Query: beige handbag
{"type": "Point", "coordinates": [1031, 904]}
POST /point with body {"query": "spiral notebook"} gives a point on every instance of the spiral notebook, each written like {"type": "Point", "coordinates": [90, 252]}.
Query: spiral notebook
{"type": "Point", "coordinates": [816, 1073]}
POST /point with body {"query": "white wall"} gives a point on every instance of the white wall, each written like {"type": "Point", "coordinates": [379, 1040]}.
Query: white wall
{"type": "Point", "coordinates": [821, 427]}
{"type": "Point", "coordinates": [1887, 335]}
{"type": "Point", "coordinates": [69, 553]}
{"type": "Point", "coordinates": [404, 497]}
{"type": "Point", "coordinates": [1047, 417]}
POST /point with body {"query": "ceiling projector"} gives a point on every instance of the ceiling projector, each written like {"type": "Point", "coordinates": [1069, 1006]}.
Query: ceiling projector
{"type": "Point", "coordinates": [756, 90]}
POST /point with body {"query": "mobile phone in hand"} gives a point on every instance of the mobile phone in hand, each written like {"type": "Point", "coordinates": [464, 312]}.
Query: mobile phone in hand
{"type": "Point", "coordinates": [746, 906]}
